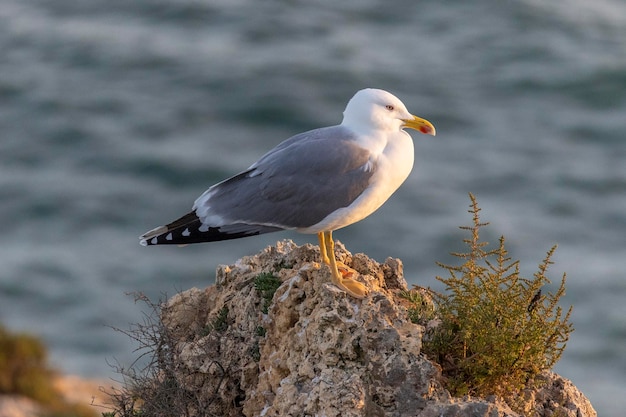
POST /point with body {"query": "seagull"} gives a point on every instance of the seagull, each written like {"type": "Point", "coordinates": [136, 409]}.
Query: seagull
{"type": "Point", "coordinates": [314, 183]}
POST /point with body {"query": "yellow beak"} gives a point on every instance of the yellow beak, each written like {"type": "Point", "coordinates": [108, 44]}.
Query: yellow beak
{"type": "Point", "coordinates": [420, 124]}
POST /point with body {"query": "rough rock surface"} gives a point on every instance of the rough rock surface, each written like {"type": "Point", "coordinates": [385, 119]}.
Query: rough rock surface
{"type": "Point", "coordinates": [318, 351]}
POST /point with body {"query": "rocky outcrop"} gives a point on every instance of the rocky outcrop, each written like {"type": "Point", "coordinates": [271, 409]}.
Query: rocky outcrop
{"type": "Point", "coordinates": [317, 351]}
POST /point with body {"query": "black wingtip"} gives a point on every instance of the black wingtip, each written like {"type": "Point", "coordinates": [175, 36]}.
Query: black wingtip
{"type": "Point", "coordinates": [190, 229]}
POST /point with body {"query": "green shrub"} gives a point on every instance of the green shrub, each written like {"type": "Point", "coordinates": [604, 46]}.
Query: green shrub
{"type": "Point", "coordinates": [498, 330]}
{"type": "Point", "coordinates": [24, 371]}
{"type": "Point", "coordinates": [23, 367]}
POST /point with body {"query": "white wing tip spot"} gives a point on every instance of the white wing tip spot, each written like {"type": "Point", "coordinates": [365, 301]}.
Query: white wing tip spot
{"type": "Point", "coordinates": [143, 242]}
{"type": "Point", "coordinates": [186, 232]}
{"type": "Point", "coordinates": [169, 236]}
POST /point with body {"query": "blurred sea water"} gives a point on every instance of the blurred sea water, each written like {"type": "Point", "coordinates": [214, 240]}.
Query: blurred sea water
{"type": "Point", "coordinates": [116, 115]}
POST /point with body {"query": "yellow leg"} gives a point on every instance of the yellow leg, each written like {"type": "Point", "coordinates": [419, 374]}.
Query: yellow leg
{"type": "Point", "coordinates": [349, 285]}
{"type": "Point", "coordinates": [320, 237]}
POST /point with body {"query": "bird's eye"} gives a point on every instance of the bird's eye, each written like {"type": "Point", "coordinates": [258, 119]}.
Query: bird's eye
{"type": "Point", "coordinates": [389, 107]}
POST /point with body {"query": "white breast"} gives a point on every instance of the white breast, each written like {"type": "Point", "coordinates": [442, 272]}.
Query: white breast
{"type": "Point", "coordinates": [393, 162]}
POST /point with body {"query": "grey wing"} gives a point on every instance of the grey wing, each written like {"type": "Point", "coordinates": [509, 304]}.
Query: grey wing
{"type": "Point", "coordinates": [295, 185]}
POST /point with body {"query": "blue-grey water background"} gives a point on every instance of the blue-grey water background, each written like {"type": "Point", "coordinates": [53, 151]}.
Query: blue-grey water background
{"type": "Point", "coordinates": [115, 115]}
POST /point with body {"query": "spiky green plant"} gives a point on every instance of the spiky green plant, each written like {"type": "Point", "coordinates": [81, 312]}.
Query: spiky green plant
{"type": "Point", "coordinates": [498, 330]}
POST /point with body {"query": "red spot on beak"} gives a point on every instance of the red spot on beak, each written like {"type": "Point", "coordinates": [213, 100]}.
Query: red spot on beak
{"type": "Point", "coordinates": [425, 130]}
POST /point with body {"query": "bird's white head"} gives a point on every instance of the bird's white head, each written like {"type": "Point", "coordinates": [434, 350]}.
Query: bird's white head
{"type": "Point", "coordinates": [378, 109]}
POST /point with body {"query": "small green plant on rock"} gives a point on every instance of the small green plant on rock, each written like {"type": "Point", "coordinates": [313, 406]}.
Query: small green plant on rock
{"type": "Point", "coordinates": [220, 323]}
{"type": "Point", "coordinates": [498, 330]}
{"type": "Point", "coordinates": [421, 308]}
{"type": "Point", "coordinates": [266, 284]}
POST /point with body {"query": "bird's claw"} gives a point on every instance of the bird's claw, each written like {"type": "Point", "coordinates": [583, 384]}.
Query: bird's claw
{"type": "Point", "coordinates": [347, 282]}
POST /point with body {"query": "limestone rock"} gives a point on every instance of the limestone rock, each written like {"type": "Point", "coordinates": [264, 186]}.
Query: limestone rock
{"type": "Point", "coordinates": [318, 351]}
